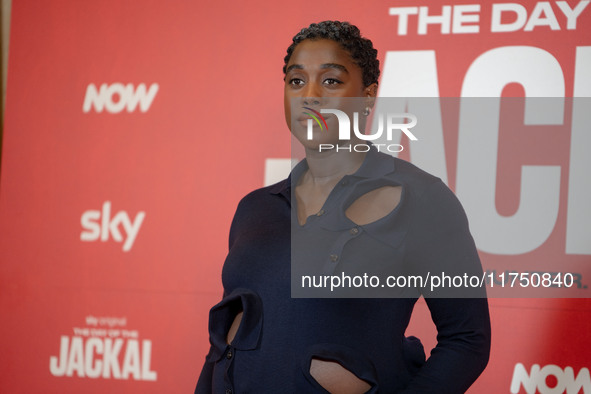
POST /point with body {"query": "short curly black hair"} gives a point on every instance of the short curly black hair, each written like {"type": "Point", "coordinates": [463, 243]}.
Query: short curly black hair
{"type": "Point", "coordinates": [349, 37]}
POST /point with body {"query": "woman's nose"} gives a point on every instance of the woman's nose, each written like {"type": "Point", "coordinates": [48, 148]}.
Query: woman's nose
{"type": "Point", "coordinates": [311, 94]}
{"type": "Point", "coordinates": [311, 101]}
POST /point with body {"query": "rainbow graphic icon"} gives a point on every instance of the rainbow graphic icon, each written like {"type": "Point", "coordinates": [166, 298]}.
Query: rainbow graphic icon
{"type": "Point", "coordinates": [317, 117]}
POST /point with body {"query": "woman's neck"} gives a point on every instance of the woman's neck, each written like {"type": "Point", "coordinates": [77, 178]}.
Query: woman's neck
{"type": "Point", "coordinates": [330, 166]}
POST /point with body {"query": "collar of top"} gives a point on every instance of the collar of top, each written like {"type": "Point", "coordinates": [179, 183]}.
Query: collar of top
{"type": "Point", "coordinates": [375, 165]}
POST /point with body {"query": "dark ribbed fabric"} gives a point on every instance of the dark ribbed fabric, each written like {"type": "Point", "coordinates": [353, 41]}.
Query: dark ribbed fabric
{"type": "Point", "coordinates": [279, 335]}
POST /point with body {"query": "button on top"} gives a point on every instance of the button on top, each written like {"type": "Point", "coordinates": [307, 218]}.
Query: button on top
{"type": "Point", "coordinates": [344, 182]}
{"type": "Point", "coordinates": [354, 231]}
{"type": "Point", "coordinates": [229, 354]}
{"type": "Point", "coordinates": [228, 391]}
{"type": "Point", "coordinates": [320, 213]}
{"type": "Point", "coordinates": [334, 257]}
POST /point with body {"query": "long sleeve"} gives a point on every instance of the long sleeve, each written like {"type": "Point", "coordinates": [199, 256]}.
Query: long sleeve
{"type": "Point", "coordinates": [204, 384]}
{"type": "Point", "coordinates": [441, 244]}
{"type": "Point", "coordinates": [463, 346]}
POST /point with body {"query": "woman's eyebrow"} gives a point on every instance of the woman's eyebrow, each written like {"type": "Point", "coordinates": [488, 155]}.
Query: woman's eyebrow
{"type": "Point", "coordinates": [323, 66]}
{"type": "Point", "coordinates": [335, 65]}
{"type": "Point", "coordinates": [294, 67]}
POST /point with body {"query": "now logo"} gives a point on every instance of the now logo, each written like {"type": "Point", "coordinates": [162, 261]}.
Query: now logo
{"type": "Point", "coordinates": [99, 224]}
{"type": "Point", "coordinates": [116, 97]}
{"type": "Point", "coordinates": [566, 381]}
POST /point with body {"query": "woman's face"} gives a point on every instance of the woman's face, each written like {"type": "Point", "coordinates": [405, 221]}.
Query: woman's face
{"type": "Point", "coordinates": [318, 74]}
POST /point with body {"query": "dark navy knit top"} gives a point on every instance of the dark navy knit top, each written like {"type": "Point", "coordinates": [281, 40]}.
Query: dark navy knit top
{"type": "Point", "coordinates": [427, 234]}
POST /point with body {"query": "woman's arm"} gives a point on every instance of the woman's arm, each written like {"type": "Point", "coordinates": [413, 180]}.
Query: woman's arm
{"type": "Point", "coordinates": [204, 382]}
{"type": "Point", "coordinates": [463, 346]}
{"type": "Point", "coordinates": [440, 244]}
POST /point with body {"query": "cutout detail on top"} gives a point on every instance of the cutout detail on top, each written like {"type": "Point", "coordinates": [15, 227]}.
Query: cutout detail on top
{"type": "Point", "coordinates": [374, 205]}
{"type": "Point", "coordinates": [234, 328]}
{"type": "Point", "coordinates": [336, 379]}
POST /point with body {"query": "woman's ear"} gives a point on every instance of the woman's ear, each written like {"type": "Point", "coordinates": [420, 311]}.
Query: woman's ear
{"type": "Point", "coordinates": [371, 92]}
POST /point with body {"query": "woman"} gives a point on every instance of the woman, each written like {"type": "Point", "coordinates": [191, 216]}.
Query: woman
{"type": "Point", "coordinates": [264, 341]}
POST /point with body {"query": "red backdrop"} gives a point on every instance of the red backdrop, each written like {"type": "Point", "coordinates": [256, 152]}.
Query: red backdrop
{"type": "Point", "coordinates": [132, 131]}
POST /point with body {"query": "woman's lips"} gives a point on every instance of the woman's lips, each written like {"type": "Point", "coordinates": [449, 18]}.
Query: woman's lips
{"type": "Point", "coordinates": [304, 116]}
{"type": "Point", "coordinates": [304, 122]}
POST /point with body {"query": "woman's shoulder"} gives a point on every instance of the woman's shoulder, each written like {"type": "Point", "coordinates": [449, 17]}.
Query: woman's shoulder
{"type": "Point", "coordinates": [267, 193]}
{"type": "Point", "coordinates": [417, 180]}
{"type": "Point", "coordinates": [261, 208]}
{"type": "Point", "coordinates": [265, 201]}
{"type": "Point", "coordinates": [425, 189]}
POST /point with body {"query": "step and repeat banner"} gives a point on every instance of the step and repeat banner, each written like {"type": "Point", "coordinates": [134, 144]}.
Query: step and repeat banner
{"type": "Point", "coordinates": [133, 129]}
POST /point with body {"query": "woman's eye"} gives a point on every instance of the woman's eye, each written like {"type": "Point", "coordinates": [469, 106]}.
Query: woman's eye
{"type": "Point", "coordinates": [296, 82]}
{"type": "Point", "coordinates": [332, 81]}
